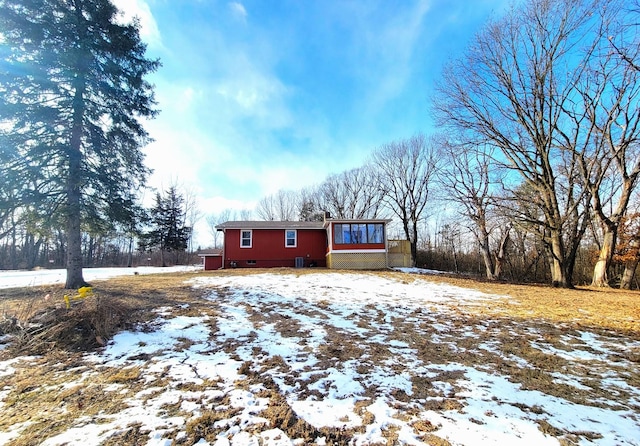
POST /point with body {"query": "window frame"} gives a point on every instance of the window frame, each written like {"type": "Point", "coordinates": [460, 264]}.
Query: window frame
{"type": "Point", "coordinates": [358, 233]}
{"type": "Point", "coordinates": [242, 238]}
{"type": "Point", "coordinates": [286, 238]}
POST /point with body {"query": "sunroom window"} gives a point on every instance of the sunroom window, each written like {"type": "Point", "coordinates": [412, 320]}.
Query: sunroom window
{"type": "Point", "coordinates": [358, 233]}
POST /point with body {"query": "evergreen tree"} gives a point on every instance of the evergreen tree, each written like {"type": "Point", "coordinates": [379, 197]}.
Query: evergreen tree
{"type": "Point", "coordinates": [169, 232]}
{"type": "Point", "coordinates": [72, 91]}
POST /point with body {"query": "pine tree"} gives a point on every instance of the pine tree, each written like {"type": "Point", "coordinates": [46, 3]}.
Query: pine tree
{"type": "Point", "coordinates": [72, 91]}
{"type": "Point", "coordinates": [169, 232]}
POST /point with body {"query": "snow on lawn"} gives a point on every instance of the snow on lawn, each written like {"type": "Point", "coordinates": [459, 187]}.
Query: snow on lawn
{"type": "Point", "coordinates": [387, 358]}
{"type": "Point", "coordinates": [22, 278]}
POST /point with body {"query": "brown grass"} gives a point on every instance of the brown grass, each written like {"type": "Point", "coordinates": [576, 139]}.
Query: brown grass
{"type": "Point", "coordinates": [41, 322]}
{"type": "Point", "coordinates": [605, 308]}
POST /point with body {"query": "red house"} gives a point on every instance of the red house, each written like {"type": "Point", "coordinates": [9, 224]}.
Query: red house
{"type": "Point", "coordinates": [333, 243]}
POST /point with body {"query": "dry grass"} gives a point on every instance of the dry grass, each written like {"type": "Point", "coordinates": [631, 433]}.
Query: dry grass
{"type": "Point", "coordinates": [539, 315]}
{"type": "Point", "coordinates": [604, 308]}
{"type": "Point", "coordinates": [41, 322]}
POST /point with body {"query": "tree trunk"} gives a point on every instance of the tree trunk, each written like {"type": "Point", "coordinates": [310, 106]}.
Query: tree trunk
{"type": "Point", "coordinates": [130, 253]}
{"type": "Point", "coordinates": [414, 243]}
{"type": "Point", "coordinates": [600, 278]}
{"type": "Point", "coordinates": [455, 258]}
{"type": "Point", "coordinates": [628, 274]}
{"type": "Point", "coordinates": [557, 262]}
{"type": "Point", "coordinates": [558, 279]}
{"type": "Point", "coordinates": [74, 235]}
{"type": "Point", "coordinates": [74, 239]}
{"type": "Point", "coordinates": [482, 237]}
{"type": "Point", "coordinates": [488, 262]}
{"type": "Point", "coordinates": [630, 267]}
{"type": "Point", "coordinates": [500, 255]}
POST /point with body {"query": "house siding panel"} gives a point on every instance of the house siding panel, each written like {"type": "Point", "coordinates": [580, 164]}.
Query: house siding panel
{"type": "Point", "coordinates": [268, 249]}
{"type": "Point", "coordinates": [212, 262]}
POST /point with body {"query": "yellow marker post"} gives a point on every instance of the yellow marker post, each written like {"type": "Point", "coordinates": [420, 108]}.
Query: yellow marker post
{"type": "Point", "coordinates": [83, 292]}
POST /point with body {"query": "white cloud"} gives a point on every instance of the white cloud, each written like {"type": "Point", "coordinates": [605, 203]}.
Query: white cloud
{"type": "Point", "coordinates": [389, 50]}
{"type": "Point", "coordinates": [238, 10]}
{"type": "Point", "coordinates": [249, 90]}
{"type": "Point", "coordinates": [149, 31]}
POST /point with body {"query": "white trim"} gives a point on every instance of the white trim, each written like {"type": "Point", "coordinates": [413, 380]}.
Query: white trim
{"type": "Point", "coordinates": [250, 231]}
{"type": "Point", "coordinates": [295, 238]}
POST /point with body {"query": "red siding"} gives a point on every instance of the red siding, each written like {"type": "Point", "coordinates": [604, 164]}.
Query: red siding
{"type": "Point", "coordinates": [268, 249]}
{"type": "Point", "coordinates": [212, 262]}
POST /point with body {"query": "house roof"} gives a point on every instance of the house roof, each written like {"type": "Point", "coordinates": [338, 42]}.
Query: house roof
{"type": "Point", "coordinates": [260, 224]}
{"type": "Point", "coordinates": [270, 225]}
{"type": "Point", "coordinates": [210, 252]}
{"type": "Point", "coordinates": [360, 220]}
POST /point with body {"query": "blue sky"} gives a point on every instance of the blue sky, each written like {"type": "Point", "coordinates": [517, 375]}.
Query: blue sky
{"type": "Point", "coordinates": [262, 95]}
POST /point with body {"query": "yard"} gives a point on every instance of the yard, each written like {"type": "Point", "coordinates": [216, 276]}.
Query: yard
{"type": "Point", "coordinates": [313, 356]}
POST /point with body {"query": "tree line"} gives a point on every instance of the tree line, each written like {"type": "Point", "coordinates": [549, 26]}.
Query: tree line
{"type": "Point", "coordinates": [534, 167]}
{"type": "Point", "coordinates": [159, 235]}
{"type": "Point", "coordinates": [541, 156]}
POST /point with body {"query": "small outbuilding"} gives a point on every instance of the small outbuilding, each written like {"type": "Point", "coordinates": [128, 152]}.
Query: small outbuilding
{"type": "Point", "coordinates": [211, 258]}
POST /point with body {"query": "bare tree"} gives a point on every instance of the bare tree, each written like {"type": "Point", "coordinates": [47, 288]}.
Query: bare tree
{"type": "Point", "coordinates": [466, 180]}
{"type": "Point", "coordinates": [625, 39]}
{"type": "Point", "coordinates": [610, 110]}
{"type": "Point", "coordinates": [281, 206]}
{"type": "Point", "coordinates": [628, 251]}
{"type": "Point", "coordinates": [310, 209]}
{"type": "Point", "coordinates": [192, 213]}
{"type": "Point", "coordinates": [266, 209]}
{"type": "Point", "coordinates": [245, 214]}
{"type": "Point", "coordinates": [406, 170]}
{"type": "Point", "coordinates": [354, 193]}
{"type": "Point", "coordinates": [214, 220]}
{"type": "Point", "coordinates": [511, 90]}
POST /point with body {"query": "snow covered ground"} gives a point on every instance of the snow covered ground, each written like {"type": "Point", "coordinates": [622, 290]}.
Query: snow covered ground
{"type": "Point", "coordinates": [386, 358]}
{"type": "Point", "coordinates": [22, 278]}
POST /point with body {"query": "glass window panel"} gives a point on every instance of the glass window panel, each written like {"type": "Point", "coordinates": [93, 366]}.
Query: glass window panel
{"type": "Point", "coordinates": [378, 233]}
{"type": "Point", "coordinates": [245, 239]}
{"type": "Point", "coordinates": [290, 237]}
{"type": "Point", "coordinates": [346, 234]}
{"type": "Point", "coordinates": [371, 233]}
{"type": "Point", "coordinates": [360, 233]}
{"type": "Point", "coordinates": [337, 234]}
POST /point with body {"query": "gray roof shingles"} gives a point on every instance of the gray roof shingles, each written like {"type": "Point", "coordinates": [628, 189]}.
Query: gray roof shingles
{"type": "Point", "coordinates": [270, 225]}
